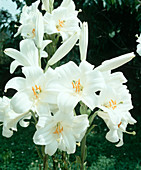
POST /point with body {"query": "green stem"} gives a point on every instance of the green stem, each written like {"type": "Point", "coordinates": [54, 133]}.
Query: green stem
{"type": "Point", "coordinates": [45, 159]}
{"type": "Point", "coordinates": [34, 117]}
{"type": "Point", "coordinates": [40, 155]}
{"type": "Point", "coordinates": [46, 68]}
{"type": "Point", "coordinates": [83, 152]}
{"type": "Point", "coordinates": [39, 57]}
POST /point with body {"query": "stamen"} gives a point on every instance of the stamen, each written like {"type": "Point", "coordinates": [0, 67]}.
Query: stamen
{"type": "Point", "coordinates": [119, 124]}
{"type": "Point", "coordinates": [36, 90]}
{"type": "Point", "coordinates": [77, 86]}
{"type": "Point", "coordinates": [60, 25]}
{"type": "Point", "coordinates": [59, 129]}
{"type": "Point", "coordinates": [112, 104]}
{"type": "Point", "coordinates": [33, 32]}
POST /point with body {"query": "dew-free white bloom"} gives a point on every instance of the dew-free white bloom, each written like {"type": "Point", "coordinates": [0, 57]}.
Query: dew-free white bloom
{"type": "Point", "coordinates": [32, 92]}
{"type": "Point", "coordinates": [62, 20]}
{"type": "Point", "coordinates": [61, 131]}
{"type": "Point", "coordinates": [77, 84]}
{"type": "Point", "coordinates": [28, 20]}
{"type": "Point", "coordinates": [10, 119]}
{"type": "Point", "coordinates": [116, 131]}
{"type": "Point", "coordinates": [27, 56]}
{"type": "Point", "coordinates": [115, 104]}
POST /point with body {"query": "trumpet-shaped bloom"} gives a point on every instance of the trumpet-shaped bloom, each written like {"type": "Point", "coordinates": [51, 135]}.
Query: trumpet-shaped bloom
{"type": "Point", "coordinates": [28, 20]}
{"type": "Point", "coordinates": [77, 84]}
{"type": "Point", "coordinates": [115, 104]}
{"type": "Point", "coordinates": [62, 20]}
{"type": "Point", "coordinates": [61, 131]}
{"type": "Point", "coordinates": [10, 119]}
{"type": "Point", "coordinates": [32, 91]}
{"type": "Point", "coordinates": [116, 131]}
{"type": "Point", "coordinates": [32, 25]}
{"type": "Point", "coordinates": [27, 56]}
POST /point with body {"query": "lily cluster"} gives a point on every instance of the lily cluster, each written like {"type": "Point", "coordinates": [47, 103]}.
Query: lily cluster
{"type": "Point", "coordinates": [50, 95]}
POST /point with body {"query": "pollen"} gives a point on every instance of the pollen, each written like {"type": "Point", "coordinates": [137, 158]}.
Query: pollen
{"type": "Point", "coordinates": [59, 129]}
{"type": "Point", "coordinates": [60, 25]}
{"type": "Point", "coordinates": [33, 32]}
{"type": "Point", "coordinates": [119, 124]}
{"type": "Point", "coordinates": [36, 91]}
{"type": "Point", "coordinates": [111, 104]}
{"type": "Point", "coordinates": [77, 86]}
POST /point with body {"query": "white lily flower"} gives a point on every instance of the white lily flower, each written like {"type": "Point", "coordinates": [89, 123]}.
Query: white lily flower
{"type": "Point", "coordinates": [62, 20]}
{"type": "Point", "coordinates": [32, 25]}
{"type": "Point", "coordinates": [61, 131]}
{"type": "Point", "coordinates": [10, 118]}
{"type": "Point", "coordinates": [115, 102]}
{"type": "Point", "coordinates": [77, 84]}
{"type": "Point", "coordinates": [116, 131]}
{"type": "Point", "coordinates": [63, 49]}
{"type": "Point", "coordinates": [28, 20]}
{"type": "Point", "coordinates": [32, 92]}
{"type": "Point", "coordinates": [115, 62]}
{"type": "Point", "coordinates": [27, 56]}
{"type": "Point", "coordinates": [83, 41]}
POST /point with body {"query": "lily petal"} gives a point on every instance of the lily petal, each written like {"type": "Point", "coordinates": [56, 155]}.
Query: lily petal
{"type": "Point", "coordinates": [64, 49]}
{"type": "Point", "coordinates": [115, 62]}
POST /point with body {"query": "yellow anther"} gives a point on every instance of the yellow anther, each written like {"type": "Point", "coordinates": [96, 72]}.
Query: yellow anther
{"type": "Point", "coordinates": [36, 90]}
{"type": "Point", "coordinates": [33, 32]}
{"type": "Point", "coordinates": [77, 86]}
{"type": "Point", "coordinates": [119, 124]}
{"type": "Point", "coordinates": [58, 129]}
{"type": "Point", "coordinates": [112, 104]}
{"type": "Point", "coordinates": [60, 25]}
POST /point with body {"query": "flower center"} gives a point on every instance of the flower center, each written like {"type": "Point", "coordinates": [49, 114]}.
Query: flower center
{"type": "Point", "coordinates": [77, 86]}
{"type": "Point", "coordinates": [36, 91]}
{"type": "Point", "coordinates": [112, 104]}
{"type": "Point", "coordinates": [59, 129]}
{"type": "Point", "coordinates": [33, 32]}
{"type": "Point", "coordinates": [60, 25]}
